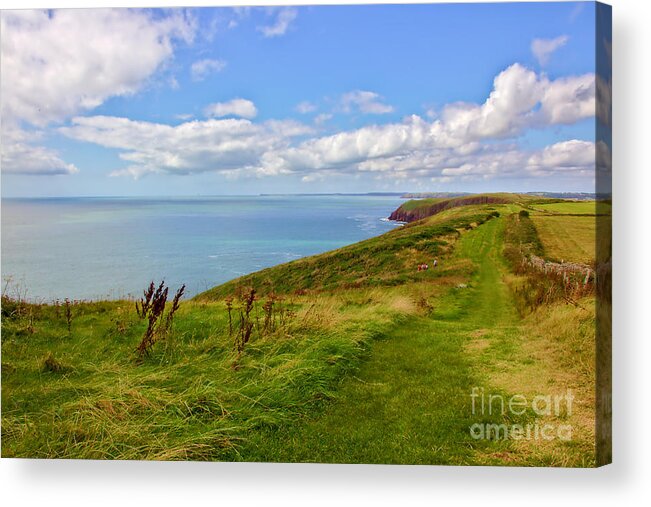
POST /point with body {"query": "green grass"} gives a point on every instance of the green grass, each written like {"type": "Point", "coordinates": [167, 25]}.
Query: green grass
{"type": "Point", "coordinates": [576, 207]}
{"type": "Point", "coordinates": [413, 204]}
{"type": "Point", "coordinates": [410, 401]}
{"type": "Point", "coordinates": [186, 401]}
{"type": "Point", "coordinates": [374, 363]}
{"type": "Point", "coordinates": [387, 260]}
{"type": "Point", "coordinates": [567, 238]}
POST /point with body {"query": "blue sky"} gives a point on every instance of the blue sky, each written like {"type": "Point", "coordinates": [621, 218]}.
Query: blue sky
{"type": "Point", "coordinates": [465, 97]}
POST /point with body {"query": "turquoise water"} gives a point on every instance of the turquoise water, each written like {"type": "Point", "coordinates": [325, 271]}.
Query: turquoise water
{"type": "Point", "coordinates": [89, 248]}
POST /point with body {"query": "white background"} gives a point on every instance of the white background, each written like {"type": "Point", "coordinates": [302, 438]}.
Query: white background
{"type": "Point", "coordinates": [627, 481]}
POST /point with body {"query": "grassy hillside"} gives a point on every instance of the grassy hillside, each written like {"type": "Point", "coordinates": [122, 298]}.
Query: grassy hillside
{"type": "Point", "coordinates": [387, 260]}
{"type": "Point", "coordinates": [353, 355]}
{"type": "Point", "coordinates": [84, 394]}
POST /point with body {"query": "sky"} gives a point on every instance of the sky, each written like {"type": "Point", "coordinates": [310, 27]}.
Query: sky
{"type": "Point", "coordinates": [209, 101]}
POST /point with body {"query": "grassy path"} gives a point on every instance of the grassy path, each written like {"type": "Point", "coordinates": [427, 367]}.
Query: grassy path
{"type": "Point", "coordinates": [410, 401]}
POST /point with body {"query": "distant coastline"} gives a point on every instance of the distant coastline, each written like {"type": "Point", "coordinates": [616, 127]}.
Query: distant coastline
{"type": "Point", "coordinates": [579, 196]}
{"type": "Point", "coordinates": [402, 195]}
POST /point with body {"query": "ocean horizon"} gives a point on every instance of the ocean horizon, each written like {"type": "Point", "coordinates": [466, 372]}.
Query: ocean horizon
{"type": "Point", "coordinates": [112, 247]}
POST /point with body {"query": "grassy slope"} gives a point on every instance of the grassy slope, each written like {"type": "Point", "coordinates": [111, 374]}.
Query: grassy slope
{"type": "Point", "coordinates": [186, 401]}
{"type": "Point", "coordinates": [386, 260]}
{"type": "Point", "coordinates": [409, 403]}
{"type": "Point", "coordinates": [299, 393]}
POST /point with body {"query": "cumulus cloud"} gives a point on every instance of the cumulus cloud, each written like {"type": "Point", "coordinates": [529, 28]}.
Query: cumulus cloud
{"type": "Point", "coordinates": [281, 24]}
{"type": "Point", "coordinates": [346, 149]}
{"type": "Point", "coordinates": [20, 155]}
{"type": "Point", "coordinates": [236, 107]}
{"type": "Point", "coordinates": [203, 68]}
{"type": "Point", "coordinates": [465, 141]}
{"type": "Point", "coordinates": [542, 49]}
{"type": "Point", "coordinates": [58, 63]}
{"type": "Point", "coordinates": [489, 161]}
{"type": "Point", "coordinates": [522, 99]}
{"type": "Point", "coordinates": [573, 154]}
{"type": "Point", "coordinates": [568, 100]}
{"type": "Point", "coordinates": [195, 146]}
{"type": "Point", "coordinates": [364, 102]}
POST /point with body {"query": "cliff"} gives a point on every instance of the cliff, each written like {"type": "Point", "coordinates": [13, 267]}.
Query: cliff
{"type": "Point", "coordinates": [418, 209]}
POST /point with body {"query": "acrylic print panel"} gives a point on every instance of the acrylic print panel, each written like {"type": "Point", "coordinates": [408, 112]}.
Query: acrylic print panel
{"type": "Point", "coordinates": [341, 234]}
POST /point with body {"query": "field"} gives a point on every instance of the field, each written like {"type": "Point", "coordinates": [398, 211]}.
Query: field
{"type": "Point", "coordinates": [567, 238]}
{"type": "Point", "coordinates": [575, 207]}
{"type": "Point", "coordinates": [568, 230]}
{"type": "Point", "coordinates": [351, 356]}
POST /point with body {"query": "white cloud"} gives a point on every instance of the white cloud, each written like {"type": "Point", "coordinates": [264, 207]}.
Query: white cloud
{"type": "Point", "coordinates": [542, 49]}
{"type": "Point", "coordinates": [203, 68]}
{"type": "Point", "coordinates": [197, 146]}
{"type": "Point", "coordinates": [569, 99]}
{"type": "Point", "coordinates": [33, 160]}
{"type": "Point", "coordinates": [281, 24]}
{"type": "Point", "coordinates": [305, 107]}
{"type": "Point", "coordinates": [19, 155]}
{"type": "Point", "coordinates": [236, 107]}
{"type": "Point", "coordinates": [346, 149]}
{"type": "Point", "coordinates": [509, 107]}
{"type": "Point", "coordinates": [364, 102]}
{"type": "Point", "coordinates": [564, 155]}
{"type": "Point", "coordinates": [490, 161]}
{"type": "Point", "coordinates": [522, 99]}
{"type": "Point", "coordinates": [58, 63]}
{"type": "Point", "coordinates": [466, 141]}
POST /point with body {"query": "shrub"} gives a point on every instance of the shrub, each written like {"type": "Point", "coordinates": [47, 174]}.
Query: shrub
{"type": "Point", "coordinates": [68, 314]}
{"type": "Point", "coordinates": [247, 301]}
{"type": "Point", "coordinates": [152, 308]}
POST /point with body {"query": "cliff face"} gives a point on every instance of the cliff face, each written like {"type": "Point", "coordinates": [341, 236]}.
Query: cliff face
{"type": "Point", "coordinates": [426, 210]}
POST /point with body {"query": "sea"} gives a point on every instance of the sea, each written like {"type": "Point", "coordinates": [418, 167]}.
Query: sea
{"type": "Point", "coordinates": [112, 247]}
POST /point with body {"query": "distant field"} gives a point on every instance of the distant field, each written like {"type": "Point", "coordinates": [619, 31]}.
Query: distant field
{"type": "Point", "coordinates": [580, 208]}
{"type": "Point", "coordinates": [418, 203]}
{"type": "Point", "coordinates": [568, 238]}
